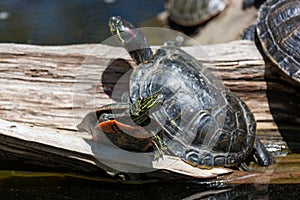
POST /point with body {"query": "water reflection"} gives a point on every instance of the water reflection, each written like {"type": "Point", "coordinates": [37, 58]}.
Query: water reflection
{"type": "Point", "coordinates": [60, 187]}
{"type": "Point", "coordinates": [69, 21]}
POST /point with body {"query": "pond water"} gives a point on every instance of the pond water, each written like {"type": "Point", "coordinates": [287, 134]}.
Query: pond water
{"type": "Point", "coordinates": [69, 21]}
{"type": "Point", "coordinates": [61, 186]}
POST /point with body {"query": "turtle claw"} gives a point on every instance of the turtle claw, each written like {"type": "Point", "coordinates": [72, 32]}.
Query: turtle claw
{"type": "Point", "coordinates": [159, 146]}
{"type": "Point", "coordinates": [244, 167]}
{"type": "Point", "coordinates": [105, 117]}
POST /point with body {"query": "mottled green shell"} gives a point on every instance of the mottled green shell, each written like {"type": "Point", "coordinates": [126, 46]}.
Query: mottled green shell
{"type": "Point", "coordinates": [204, 123]}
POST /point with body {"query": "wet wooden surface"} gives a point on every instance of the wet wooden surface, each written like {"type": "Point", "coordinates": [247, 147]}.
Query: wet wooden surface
{"type": "Point", "coordinates": [47, 90]}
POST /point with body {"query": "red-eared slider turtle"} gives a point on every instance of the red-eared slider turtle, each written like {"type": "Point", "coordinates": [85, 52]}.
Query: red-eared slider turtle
{"type": "Point", "coordinates": [201, 122]}
{"type": "Point", "coordinates": [278, 32]}
{"type": "Point", "coordinates": [187, 15]}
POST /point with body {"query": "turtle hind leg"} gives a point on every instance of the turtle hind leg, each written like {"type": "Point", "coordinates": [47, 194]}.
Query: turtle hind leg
{"type": "Point", "coordinates": [249, 33]}
{"type": "Point", "coordinates": [261, 155]}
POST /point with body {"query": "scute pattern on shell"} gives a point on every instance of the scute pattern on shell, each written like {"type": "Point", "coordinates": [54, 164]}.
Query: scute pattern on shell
{"type": "Point", "coordinates": [194, 12]}
{"type": "Point", "coordinates": [205, 124]}
{"type": "Point", "coordinates": [278, 29]}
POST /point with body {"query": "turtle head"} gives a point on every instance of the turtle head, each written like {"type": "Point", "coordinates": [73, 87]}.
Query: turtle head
{"type": "Point", "coordinates": [120, 27]}
{"type": "Point", "coordinates": [132, 39]}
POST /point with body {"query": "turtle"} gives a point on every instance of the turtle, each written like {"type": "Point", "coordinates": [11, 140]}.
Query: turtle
{"type": "Point", "coordinates": [188, 15]}
{"type": "Point", "coordinates": [248, 3]}
{"type": "Point", "coordinates": [277, 33]}
{"type": "Point", "coordinates": [192, 115]}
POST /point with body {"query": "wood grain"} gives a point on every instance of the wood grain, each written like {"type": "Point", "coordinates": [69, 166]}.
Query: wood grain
{"type": "Point", "coordinates": [51, 88]}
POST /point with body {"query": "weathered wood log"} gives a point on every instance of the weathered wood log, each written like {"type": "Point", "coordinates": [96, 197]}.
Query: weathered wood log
{"type": "Point", "coordinates": [47, 90]}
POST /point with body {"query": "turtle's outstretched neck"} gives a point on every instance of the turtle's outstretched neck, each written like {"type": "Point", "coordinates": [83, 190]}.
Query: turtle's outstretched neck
{"type": "Point", "coordinates": [132, 38]}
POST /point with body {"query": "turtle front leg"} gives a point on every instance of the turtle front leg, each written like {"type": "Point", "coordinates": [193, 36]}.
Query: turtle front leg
{"type": "Point", "coordinates": [112, 111]}
{"type": "Point", "coordinates": [158, 145]}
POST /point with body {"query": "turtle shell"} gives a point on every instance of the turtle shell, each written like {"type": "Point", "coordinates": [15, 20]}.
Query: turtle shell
{"type": "Point", "coordinates": [278, 29]}
{"type": "Point", "coordinates": [204, 124]}
{"type": "Point", "coordinates": [194, 12]}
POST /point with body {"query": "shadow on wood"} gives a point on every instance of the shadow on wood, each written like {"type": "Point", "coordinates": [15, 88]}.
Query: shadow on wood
{"type": "Point", "coordinates": [115, 79]}
{"type": "Point", "coordinates": [283, 95]}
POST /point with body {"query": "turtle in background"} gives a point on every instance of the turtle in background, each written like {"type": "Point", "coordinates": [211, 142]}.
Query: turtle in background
{"type": "Point", "coordinates": [277, 33]}
{"type": "Point", "coordinates": [249, 3]}
{"type": "Point", "coordinates": [179, 108]}
{"type": "Point", "coordinates": [188, 15]}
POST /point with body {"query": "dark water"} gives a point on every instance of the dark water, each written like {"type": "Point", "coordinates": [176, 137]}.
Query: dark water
{"type": "Point", "coordinates": [67, 21]}
{"type": "Point", "coordinates": [56, 187]}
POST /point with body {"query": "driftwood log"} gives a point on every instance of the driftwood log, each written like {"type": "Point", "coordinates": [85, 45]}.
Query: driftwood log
{"type": "Point", "coordinates": [47, 90]}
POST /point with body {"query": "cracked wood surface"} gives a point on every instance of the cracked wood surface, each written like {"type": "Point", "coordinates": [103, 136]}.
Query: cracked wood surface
{"type": "Point", "coordinates": [51, 88]}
